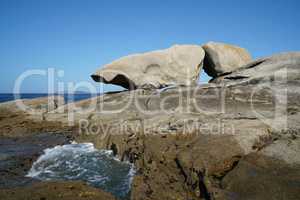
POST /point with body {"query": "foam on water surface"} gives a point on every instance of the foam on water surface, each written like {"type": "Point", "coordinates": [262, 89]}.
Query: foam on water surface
{"type": "Point", "coordinates": [98, 168]}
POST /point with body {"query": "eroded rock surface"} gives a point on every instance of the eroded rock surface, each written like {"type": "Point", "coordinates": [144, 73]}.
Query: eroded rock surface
{"type": "Point", "coordinates": [186, 152]}
{"type": "Point", "coordinates": [236, 138]}
{"type": "Point", "coordinates": [180, 64]}
{"type": "Point", "coordinates": [222, 58]}
{"type": "Point", "coordinates": [204, 142]}
{"type": "Point", "coordinates": [275, 69]}
{"type": "Point", "coordinates": [27, 117]}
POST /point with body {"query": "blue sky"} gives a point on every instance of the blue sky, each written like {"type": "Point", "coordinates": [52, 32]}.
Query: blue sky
{"type": "Point", "coordinates": [78, 36]}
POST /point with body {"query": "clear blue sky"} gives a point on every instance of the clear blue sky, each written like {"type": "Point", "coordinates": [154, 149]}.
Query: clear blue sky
{"type": "Point", "coordinates": [78, 36]}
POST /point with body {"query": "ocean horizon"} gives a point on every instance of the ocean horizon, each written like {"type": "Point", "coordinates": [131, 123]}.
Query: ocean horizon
{"type": "Point", "coordinates": [69, 97]}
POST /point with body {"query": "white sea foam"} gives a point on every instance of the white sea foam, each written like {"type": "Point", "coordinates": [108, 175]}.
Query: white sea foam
{"type": "Point", "coordinates": [84, 162]}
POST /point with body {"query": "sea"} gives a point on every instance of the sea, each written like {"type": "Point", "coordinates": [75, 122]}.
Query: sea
{"type": "Point", "coordinates": [98, 168]}
{"type": "Point", "coordinates": [4, 97]}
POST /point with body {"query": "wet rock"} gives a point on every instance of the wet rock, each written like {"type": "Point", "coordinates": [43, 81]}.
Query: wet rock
{"type": "Point", "coordinates": [178, 65]}
{"type": "Point", "coordinates": [223, 58]}
{"type": "Point", "coordinates": [18, 155]}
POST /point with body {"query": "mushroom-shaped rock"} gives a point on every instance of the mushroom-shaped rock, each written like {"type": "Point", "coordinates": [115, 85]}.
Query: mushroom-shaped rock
{"type": "Point", "coordinates": [222, 58]}
{"type": "Point", "coordinates": [177, 65]}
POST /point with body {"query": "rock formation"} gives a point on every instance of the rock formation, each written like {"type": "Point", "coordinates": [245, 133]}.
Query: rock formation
{"type": "Point", "coordinates": [276, 68]}
{"type": "Point", "coordinates": [180, 64]}
{"type": "Point", "coordinates": [233, 134]}
{"type": "Point", "coordinates": [234, 138]}
{"type": "Point", "coordinates": [222, 58]}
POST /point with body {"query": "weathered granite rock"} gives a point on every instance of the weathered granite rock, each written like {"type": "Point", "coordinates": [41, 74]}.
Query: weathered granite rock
{"type": "Point", "coordinates": [222, 58]}
{"type": "Point", "coordinates": [185, 150]}
{"type": "Point", "coordinates": [178, 65]}
{"type": "Point", "coordinates": [186, 141]}
{"type": "Point", "coordinates": [213, 141]}
{"type": "Point", "coordinates": [280, 68]}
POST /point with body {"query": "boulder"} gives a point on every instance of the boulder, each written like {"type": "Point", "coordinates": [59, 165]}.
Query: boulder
{"type": "Point", "coordinates": [222, 58]}
{"type": "Point", "coordinates": [177, 65]}
{"type": "Point", "coordinates": [277, 68]}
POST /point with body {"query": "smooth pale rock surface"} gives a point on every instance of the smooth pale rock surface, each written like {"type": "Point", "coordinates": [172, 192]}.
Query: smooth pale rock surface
{"type": "Point", "coordinates": [222, 58]}
{"type": "Point", "coordinates": [277, 68]}
{"type": "Point", "coordinates": [177, 65]}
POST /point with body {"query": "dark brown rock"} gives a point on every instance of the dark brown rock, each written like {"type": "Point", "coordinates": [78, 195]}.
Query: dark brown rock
{"type": "Point", "coordinates": [260, 177]}
{"type": "Point", "coordinates": [55, 190]}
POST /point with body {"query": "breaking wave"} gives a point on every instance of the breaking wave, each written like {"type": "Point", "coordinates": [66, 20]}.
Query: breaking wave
{"type": "Point", "coordinates": [98, 168]}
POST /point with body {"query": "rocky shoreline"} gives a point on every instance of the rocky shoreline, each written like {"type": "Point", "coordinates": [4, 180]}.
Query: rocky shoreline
{"type": "Point", "coordinates": [22, 141]}
{"type": "Point", "coordinates": [236, 137]}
